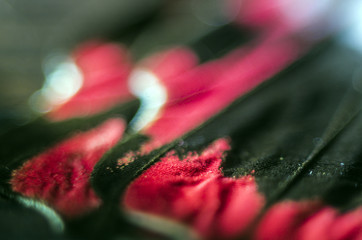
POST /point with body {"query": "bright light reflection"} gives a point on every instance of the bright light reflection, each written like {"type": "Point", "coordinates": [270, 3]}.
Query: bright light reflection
{"type": "Point", "coordinates": [153, 95]}
{"type": "Point", "coordinates": [53, 218]}
{"type": "Point", "coordinates": [353, 14]}
{"type": "Point", "coordinates": [62, 83]}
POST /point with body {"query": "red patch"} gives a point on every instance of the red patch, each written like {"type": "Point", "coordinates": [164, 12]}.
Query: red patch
{"type": "Point", "coordinates": [308, 221]}
{"type": "Point", "coordinates": [170, 63]}
{"type": "Point", "coordinates": [207, 89]}
{"type": "Point", "coordinates": [256, 13]}
{"type": "Point", "coordinates": [194, 191]}
{"type": "Point", "coordinates": [60, 176]}
{"type": "Point", "coordinates": [105, 69]}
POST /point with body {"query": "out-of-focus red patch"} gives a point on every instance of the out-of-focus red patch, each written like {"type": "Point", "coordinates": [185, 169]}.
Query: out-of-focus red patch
{"type": "Point", "coordinates": [60, 176]}
{"type": "Point", "coordinates": [105, 68]}
{"type": "Point", "coordinates": [201, 92]}
{"type": "Point", "coordinates": [282, 220]}
{"type": "Point", "coordinates": [170, 63]}
{"type": "Point", "coordinates": [309, 220]}
{"type": "Point", "coordinates": [193, 190]}
{"type": "Point", "coordinates": [256, 13]}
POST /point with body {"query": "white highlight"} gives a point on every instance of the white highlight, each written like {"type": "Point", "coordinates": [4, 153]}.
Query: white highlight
{"type": "Point", "coordinates": [62, 83]}
{"type": "Point", "coordinates": [153, 95]}
{"type": "Point", "coordinates": [53, 218]}
{"type": "Point", "coordinates": [167, 227]}
{"type": "Point", "coordinates": [353, 16]}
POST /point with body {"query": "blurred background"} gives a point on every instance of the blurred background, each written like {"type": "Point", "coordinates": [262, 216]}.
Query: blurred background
{"type": "Point", "coordinates": [33, 31]}
{"type": "Point", "coordinates": [30, 31]}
